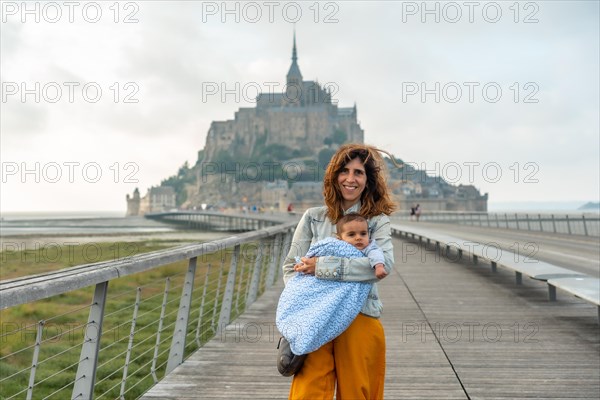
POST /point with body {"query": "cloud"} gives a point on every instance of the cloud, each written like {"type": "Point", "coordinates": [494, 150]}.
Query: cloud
{"type": "Point", "coordinates": [22, 120]}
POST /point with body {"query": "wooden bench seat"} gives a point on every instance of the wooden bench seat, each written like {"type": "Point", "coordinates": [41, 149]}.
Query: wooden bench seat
{"type": "Point", "coordinates": [578, 284]}
{"type": "Point", "coordinates": [585, 287]}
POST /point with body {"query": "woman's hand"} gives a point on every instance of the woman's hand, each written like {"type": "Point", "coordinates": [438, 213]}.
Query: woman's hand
{"type": "Point", "coordinates": [307, 265]}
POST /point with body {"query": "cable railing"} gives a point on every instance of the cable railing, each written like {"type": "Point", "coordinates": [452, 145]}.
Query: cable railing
{"type": "Point", "coordinates": [113, 329]}
{"type": "Point", "coordinates": [586, 224]}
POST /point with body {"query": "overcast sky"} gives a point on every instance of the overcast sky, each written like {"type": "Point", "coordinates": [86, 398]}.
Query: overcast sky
{"type": "Point", "coordinates": [502, 95]}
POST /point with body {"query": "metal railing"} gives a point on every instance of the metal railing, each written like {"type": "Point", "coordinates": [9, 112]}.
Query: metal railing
{"type": "Point", "coordinates": [129, 337]}
{"type": "Point", "coordinates": [571, 224]}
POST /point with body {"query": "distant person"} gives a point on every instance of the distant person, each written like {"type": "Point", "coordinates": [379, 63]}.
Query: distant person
{"type": "Point", "coordinates": [418, 212]}
{"type": "Point", "coordinates": [290, 208]}
{"type": "Point", "coordinates": [412, 213]}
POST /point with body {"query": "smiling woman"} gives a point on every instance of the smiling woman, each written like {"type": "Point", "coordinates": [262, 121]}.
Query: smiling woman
{"type": "Point", "coordinates": [354, 361]}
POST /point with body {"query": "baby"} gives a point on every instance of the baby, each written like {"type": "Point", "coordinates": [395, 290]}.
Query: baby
{"type": "Point", "coordinates": [353, 228]}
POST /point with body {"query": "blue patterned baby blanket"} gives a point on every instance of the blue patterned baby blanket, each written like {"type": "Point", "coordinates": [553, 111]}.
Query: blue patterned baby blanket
{"type": "Point", "coordinates": [312, 311]}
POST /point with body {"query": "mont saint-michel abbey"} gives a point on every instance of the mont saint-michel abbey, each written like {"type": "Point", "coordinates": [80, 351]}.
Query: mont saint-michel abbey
{"type": "Point", "coordinates": [274, 154]}
{"type": "Point", "coordinates": [301, 116]}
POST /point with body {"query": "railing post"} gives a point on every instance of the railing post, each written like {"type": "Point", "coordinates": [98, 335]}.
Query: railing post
{"type": "Point", "coordinates": [34, 361]}
{"type": "Point", "coordinates": [248, 280]}
{"type": "Point", "coordinates": [225, 314]}
{"type": "Point", "coordinates": [275, 246]}
{"type": "Point", "coordinates": [540, 219]}
{"type": "Point", "coordinates": [177, 350]}
{"type": "Point", "coordinates": [286, 239]}
{"type": "Point", "coordinates": [217, 295]}
{"type": "Point", "coordinates": [130, 344]}
{"type": "Point", "coordinates": [256, 272]}
{"type": "Point", "coordinates": [517, 220]}
{"type": "Point", "coordinates": [568, 224]}
{"type": "Point", "coordinates": [201, 310]}
{"type": "Point", "coordinates": [88, 360]}
{"type": "Point", "coordinates": [159, 330]}
{"type": "Point", "coordinates": [553, 223]}
{"type": "Point", "coordinates": [585, 231]}
{"type": "Point", "coordinates": [528, 224]}
{"type": "Point", "coordinates": [240, 281]}
{"type": "Point", "coordinates": [287, 246]}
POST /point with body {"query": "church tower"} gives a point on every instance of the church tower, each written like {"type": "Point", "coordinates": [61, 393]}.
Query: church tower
{"type": "Point", "coordinates": [293, 91]}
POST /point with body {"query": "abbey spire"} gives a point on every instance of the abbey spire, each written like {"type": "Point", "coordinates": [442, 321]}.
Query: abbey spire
{"type": "Point", "coordinates": [294, 76]}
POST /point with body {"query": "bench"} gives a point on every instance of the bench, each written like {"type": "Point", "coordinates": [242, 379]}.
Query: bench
{"type": "Point", "coordinates": [578, 284]}
{"type": "Point", "coordinates": [585, 287]}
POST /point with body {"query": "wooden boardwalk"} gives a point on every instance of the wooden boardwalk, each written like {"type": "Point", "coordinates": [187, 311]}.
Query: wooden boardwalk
{"type": "Point", "coordinates": [453, 330]}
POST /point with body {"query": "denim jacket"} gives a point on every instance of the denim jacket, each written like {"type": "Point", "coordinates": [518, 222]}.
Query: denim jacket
{"type": "Point", "coordinates": [314, 226]}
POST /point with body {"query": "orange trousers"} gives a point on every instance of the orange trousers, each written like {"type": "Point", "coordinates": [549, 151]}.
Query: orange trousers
{"type": "Point", "coordinates": [356, 359]}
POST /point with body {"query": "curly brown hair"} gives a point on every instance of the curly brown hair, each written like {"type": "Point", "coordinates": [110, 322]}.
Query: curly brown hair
{"type": "Point", "coordinates": [375, 198]}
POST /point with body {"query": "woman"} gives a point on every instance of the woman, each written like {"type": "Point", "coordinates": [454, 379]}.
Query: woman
{"type": "Point", "coordinates": [354, 182]}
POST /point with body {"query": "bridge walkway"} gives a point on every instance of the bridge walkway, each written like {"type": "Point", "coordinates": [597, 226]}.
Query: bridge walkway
{"type": "Point", "coordinates": [454, 331]}
{"type": "Point", "coordinates": [575, 252]}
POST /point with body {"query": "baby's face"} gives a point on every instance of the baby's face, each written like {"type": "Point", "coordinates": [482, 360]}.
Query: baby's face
{"type": "Point", "coordinates": [356, 233]}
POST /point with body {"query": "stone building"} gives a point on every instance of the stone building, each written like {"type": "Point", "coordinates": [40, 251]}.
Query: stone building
{"type": "Point", "coordinates": [275, 195]}
{"type": "Point", "coordinates": [133, 204]}
{"type": "Point", "coordinates": [301, 117]}
{"type": "Point", "coordinates": [157, 199]}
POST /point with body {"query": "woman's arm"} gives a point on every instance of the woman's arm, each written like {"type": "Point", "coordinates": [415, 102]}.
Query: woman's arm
{"type": "Point", "coordinates": [359, 269]}
{"type": "Point", "coordinates": [300, 243]}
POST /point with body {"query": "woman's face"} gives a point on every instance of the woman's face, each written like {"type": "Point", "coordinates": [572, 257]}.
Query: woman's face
{"type": "Point", "coordinates": [352, 181]}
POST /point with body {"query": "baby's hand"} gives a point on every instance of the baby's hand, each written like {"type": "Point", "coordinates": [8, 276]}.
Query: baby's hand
{"type": "Point", "coordinates": [306, 265]}
{"type": "Point", "coordinates": [380, 271]}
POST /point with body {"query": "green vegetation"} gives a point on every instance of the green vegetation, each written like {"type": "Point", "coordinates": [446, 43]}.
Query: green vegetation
{"type": "Point", "coordinates": [339, 136]}
{"type": "Point", "coordinates": [185, 175]}
{"type": "Point", "coordinates": [325, 156]}
{"type": "Point", "coordinates": [65, 317]}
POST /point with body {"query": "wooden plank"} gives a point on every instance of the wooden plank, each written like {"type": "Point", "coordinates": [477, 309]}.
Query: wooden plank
{"type": "Point", "coordinates": [514, 343]}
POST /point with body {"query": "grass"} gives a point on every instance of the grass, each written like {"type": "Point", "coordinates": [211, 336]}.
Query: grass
{"type": "Point", "coordinates": [64, 327]}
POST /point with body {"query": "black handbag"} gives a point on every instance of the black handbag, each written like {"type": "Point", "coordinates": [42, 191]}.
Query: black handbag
{"type": "Point", "coordinates": [288, 363]}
